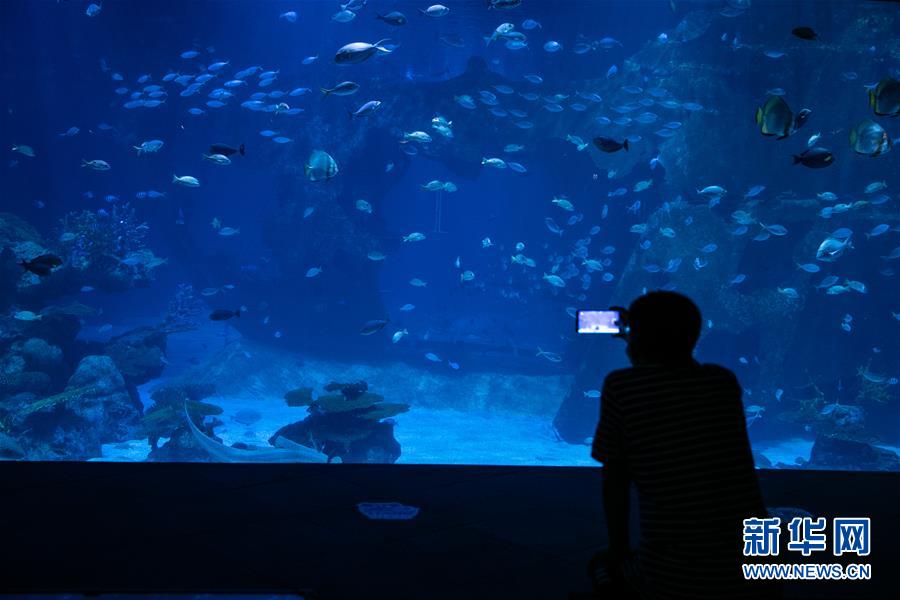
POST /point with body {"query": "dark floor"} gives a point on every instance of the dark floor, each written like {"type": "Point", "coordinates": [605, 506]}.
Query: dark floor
{"type": "Point", "coordinates": [483, 532]}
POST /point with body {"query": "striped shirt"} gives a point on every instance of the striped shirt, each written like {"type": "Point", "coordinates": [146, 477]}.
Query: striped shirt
{"type": "Point", "coordinates": [680, 433]}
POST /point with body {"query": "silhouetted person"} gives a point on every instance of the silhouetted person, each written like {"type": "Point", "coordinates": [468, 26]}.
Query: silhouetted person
{"type": "Point", "coordinates": [676, 430]}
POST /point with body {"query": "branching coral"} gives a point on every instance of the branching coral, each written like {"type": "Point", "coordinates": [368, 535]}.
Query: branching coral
{"type": "Point", "coordinates": [185, 309]}
{"type": "Point", "coordinates": [111, 242]}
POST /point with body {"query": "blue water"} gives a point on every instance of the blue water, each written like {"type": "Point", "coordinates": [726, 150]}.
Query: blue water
{"type": "Point", "coordinates": [818, 359]}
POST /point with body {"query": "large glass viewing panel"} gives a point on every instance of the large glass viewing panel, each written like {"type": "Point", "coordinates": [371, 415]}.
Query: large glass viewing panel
{"type": "Point", "coordinates": [267, 231]}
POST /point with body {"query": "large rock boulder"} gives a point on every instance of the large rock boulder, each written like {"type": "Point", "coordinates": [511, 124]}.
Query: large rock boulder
{"type": "Point", "coordinates": [832, 452]}
{"type": "Point", "coordinates": [17, 376]}
{"type": "Point", "coordinates": [139, 354]}
{"type": "Point", "coordinates": [42, 356]}
{"type": "Point", "coordinates": [10, 449]}
{"type": "Point", "coordinates": [107, 405]}
{"type": "Point", "coordinates": [94, 409]}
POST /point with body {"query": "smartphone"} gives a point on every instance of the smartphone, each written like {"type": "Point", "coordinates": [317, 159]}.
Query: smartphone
{"type": "Point", "coordinates": [597, 321]}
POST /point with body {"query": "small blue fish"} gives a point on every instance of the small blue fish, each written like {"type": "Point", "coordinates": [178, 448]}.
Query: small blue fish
{"type": "Point", "coordinates": [878, 230]}
{"type": "Point", "coordinates": [756, 190]}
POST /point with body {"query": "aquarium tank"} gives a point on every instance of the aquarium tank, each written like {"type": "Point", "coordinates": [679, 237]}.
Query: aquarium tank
{"type": "Point", "coordinates": [297, 231]}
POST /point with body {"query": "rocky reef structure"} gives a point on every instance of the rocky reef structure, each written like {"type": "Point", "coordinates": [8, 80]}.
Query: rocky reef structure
{"type": "Point", "coordinates": [353, 425]}
{"type": "Point", "coordinates": [836, 453]}
{"type": "Point", "coordinates": [19, 241]}
{"type": "Point", "coordinates": [62, 398]}
{"type": "Point", "coordinates": [165, 418]}
{"type": "Point", "coordinates": [139, 354]}
{"type": "Point", "coordinates": [95, 408]}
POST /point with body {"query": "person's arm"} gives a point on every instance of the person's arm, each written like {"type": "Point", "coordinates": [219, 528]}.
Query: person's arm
{"type": "Point", "coordinates": [616, 497]}
{"type": "Point", "coordinates": [609, 448]}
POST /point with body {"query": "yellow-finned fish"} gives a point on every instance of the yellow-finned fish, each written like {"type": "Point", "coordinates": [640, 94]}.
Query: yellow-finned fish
{"type": "Point", "coordinates": [884, 98]}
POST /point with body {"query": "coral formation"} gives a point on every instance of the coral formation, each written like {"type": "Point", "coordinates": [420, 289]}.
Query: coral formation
{"type": "Point", "coordinates": [108, 247]}
{"type": "Point", "coordinates": [185, 309]}
{"type": "Point", "coordinates": [350, 425]}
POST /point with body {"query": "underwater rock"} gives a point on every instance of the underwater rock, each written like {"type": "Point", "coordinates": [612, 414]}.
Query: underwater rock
{"type": "Point", "coordinates": [10, 449]}
{"type": "Point", "coordinates": [107, 407]}
{"type": "Point", "coordinates": [11, 363]}
{"type": "Point", "coordinates": [14, 230]}
{"type": "Point", "coordinates": [350, 438]}
{"type": "Point", "coordinates": [165, 418]}
{"type": "Point", "coordinates": [299, 397]}
{"type": "Point", "coordinates": [20, 241]}
{"type": "Point", "coordinates": [832, 452]}
{"type": "Point", "coordinates": [138, 354]}
{"type": "Point", "coordinates": [94, 409]}
{"type": "Point", "coordinates": [42, 356]}
{"type": "Point", "coordinates": [18, 376]}
{"type": "Point", "coordinates": [180, 447]}
{"type": "Point", "coordinates": [349, 426]}
{"type": "Point", "coordinates": [33, 382]}
{"type": "Point", "coordinates": [843, 416]}
{"type": "Point", "coordinates": [97, 371]}
{"type": "Point", "coordinates": [761, 460]}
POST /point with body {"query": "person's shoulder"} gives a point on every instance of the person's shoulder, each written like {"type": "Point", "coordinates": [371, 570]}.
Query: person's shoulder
{"type": "Point", "coordinates": [621, 377]}
{"type": "Point", "coordinates": [719, 372]}
{"type": "Point", "coordinates": [620, 374]}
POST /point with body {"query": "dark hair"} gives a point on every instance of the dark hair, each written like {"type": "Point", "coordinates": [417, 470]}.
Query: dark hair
{"type": "Point", "coordinates": [664, 326]}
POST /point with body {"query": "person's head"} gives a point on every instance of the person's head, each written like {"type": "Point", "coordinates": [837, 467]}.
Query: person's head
{"type": "Point", "coordinates": [663, 328]}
